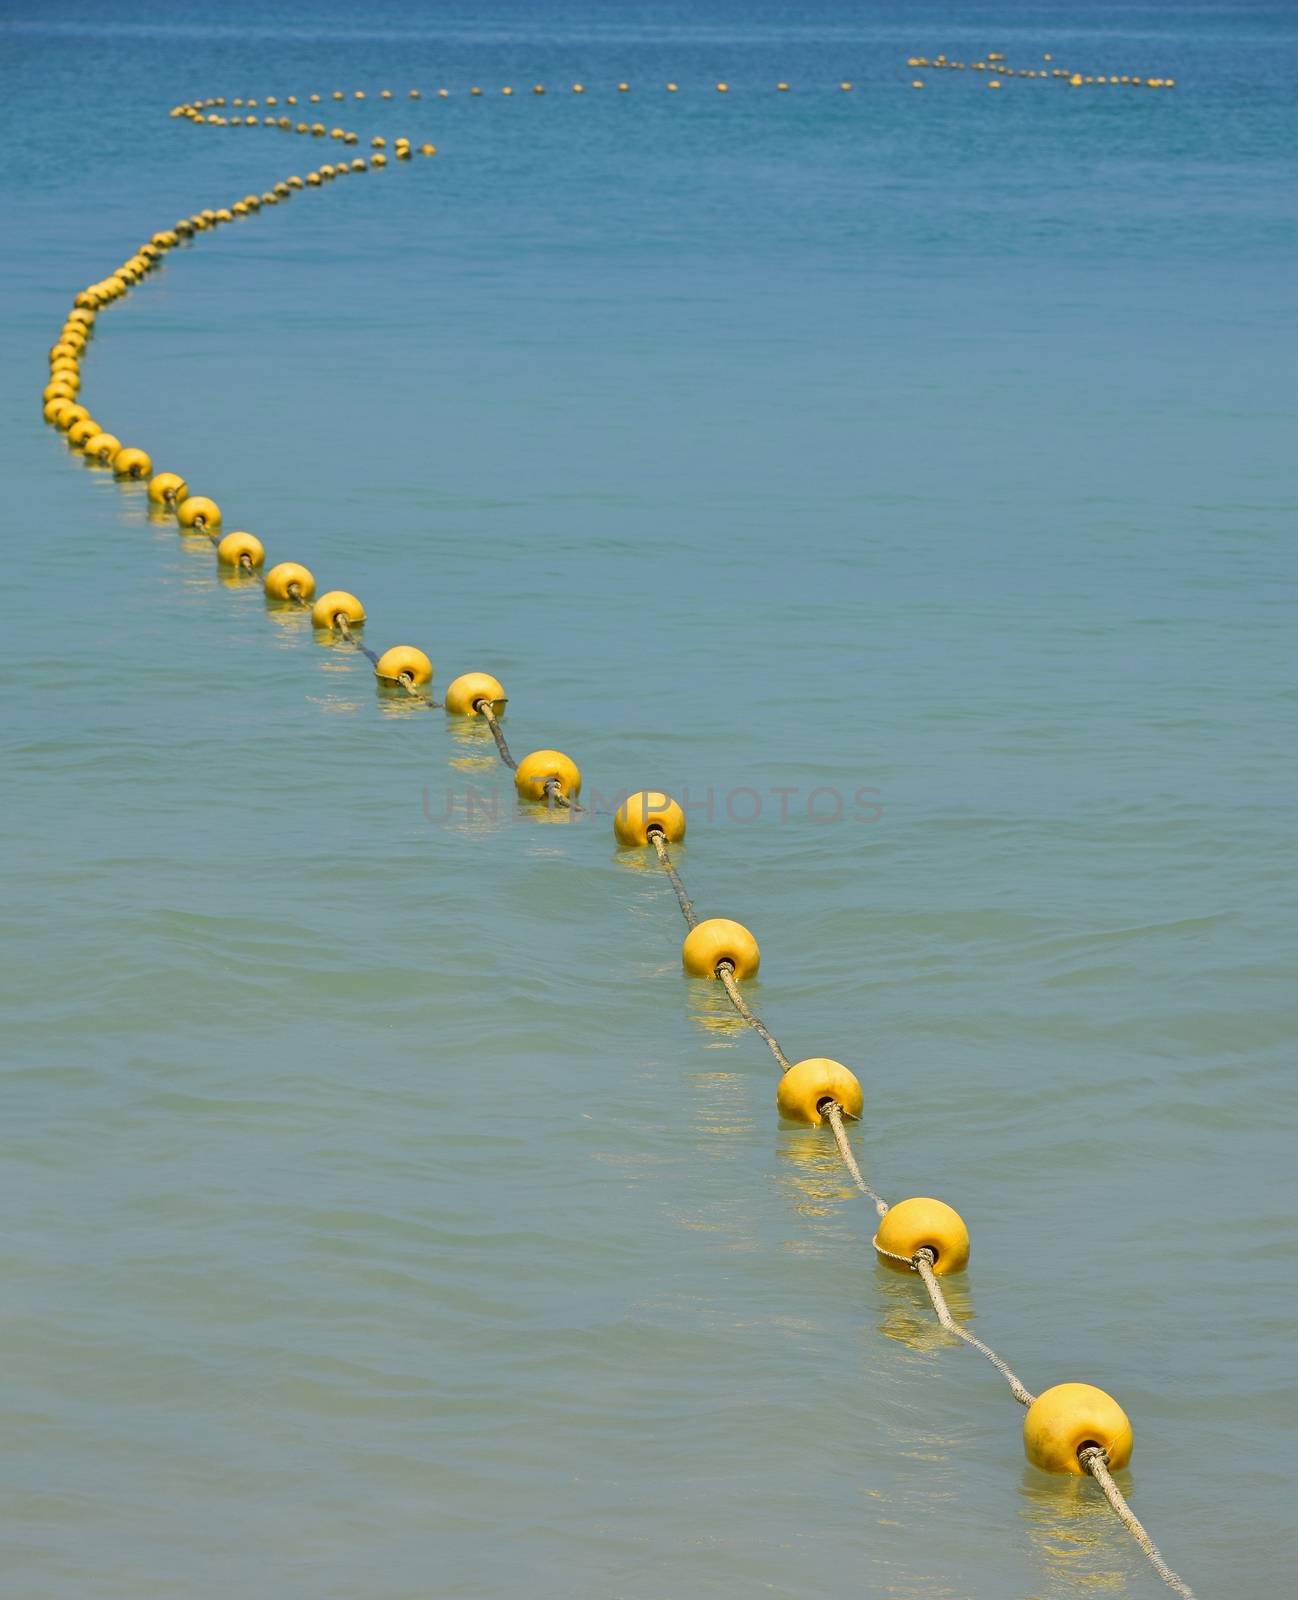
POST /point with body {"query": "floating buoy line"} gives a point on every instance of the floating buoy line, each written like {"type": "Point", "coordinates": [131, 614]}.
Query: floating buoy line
{"type": "Point", "coordinates": [1072, 1428]}
{"type": "Point", "coordinates": [214, 109]}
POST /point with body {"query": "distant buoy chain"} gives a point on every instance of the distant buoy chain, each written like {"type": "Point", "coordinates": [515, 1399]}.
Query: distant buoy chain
{"type": "Point", "coordinates": [218, 110]}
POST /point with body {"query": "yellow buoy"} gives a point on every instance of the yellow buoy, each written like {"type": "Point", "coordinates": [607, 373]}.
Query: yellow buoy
{"type": "Point", "coordinates": [55, 411]}
{"type": "Point", "coordinates": [578, 88]}
{"type": "Point", "coordinates": [82, 429]}
{"type": "Point", "coordinates": [74, 414]}
{"type": "Point", "coordinates": [403, 661]}
{"type": "Point", "coordinates": [845, 86]}
{"type": "Point", "coordinates": [723, 88]}
{"type": "Point", "coordinates": [379, 160]}
{"type": "Point", "coordinates": [913, 1225]}
{"type": "Point", "coordinates": [359, 164]}
{"type": "Point", "coordinates": [648, 812]}
{"type": "Point", "coordinates": [506, 90]}
{"type": "Point", "coordinates": [1070, 1417]}
{"type": "Point", "coordinates": [132, 463]}
{"type": "Point", "coordinates": [442, 93]}
{"type": "Point", "coordinates": [427, 149]}
{"type": "Point", "coordinates": [61, 389]}
{"type": "Point", "coordinates": [166, 488]}
{"type": "Point", "coordinates": [782, 87]}
{"type": "Point", "coordinates": [672, 88]}
{"type": "Point", "coordinates": [287, 577]}
{"type": "Point", "coordinates": [538, 88]}
{"type": "Point", "coordinates": [197, 511]}
{"type": "Point", "coordinates": [102, 447]}
{"type": "Point", "coordinates": [623, 88]}
{"type": "Point", "coordinates": [240, 549]}
{"type": "Point", "coordinates": [465, 693]}
{"type": "Point", "coordinates": [542, 766]}
{"type": "Point", "coordinates": [378, 142]}
{"type": "Point", "coordinates": [807, 1085]}
{"type": "Point", "coordinates": [917, 83]}
{"type": "Point", "coordinates": [716, 940]}
{"type": "Point", "coordinates": [334, 604]}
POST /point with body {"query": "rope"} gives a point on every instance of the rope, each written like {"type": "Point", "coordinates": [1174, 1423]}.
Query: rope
{"type": "Point", "coordinates": [923, 1264]}
{"type": "Point", "coordinates": [1096, 1463]}
{"type": "Point", "coordinates": [726, 973]}
{"type": "Point", "coordinates": [659, 841]}
{"type": "Point", "coordinates": [488, 713]}
{"type": "Point", "coordinates": [833, 1114]}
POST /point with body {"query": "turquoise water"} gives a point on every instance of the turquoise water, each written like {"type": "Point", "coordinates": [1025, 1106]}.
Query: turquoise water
{"type": "Point", "coordinates": [385, 1215]}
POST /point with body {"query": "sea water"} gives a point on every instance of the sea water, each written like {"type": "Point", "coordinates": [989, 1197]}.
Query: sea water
{"type": "Point", "coordinates": [905, 479]}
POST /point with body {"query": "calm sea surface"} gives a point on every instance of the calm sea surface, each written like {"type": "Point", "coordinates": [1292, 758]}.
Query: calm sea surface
{"type": "Point", "coordinates": [384, 1215]}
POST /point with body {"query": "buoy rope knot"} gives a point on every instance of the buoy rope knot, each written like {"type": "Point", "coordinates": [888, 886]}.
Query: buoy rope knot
{"type": "Point", "coordinates": [554, 796]}
{"type": "Point", "coordinates": [345, 628]}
